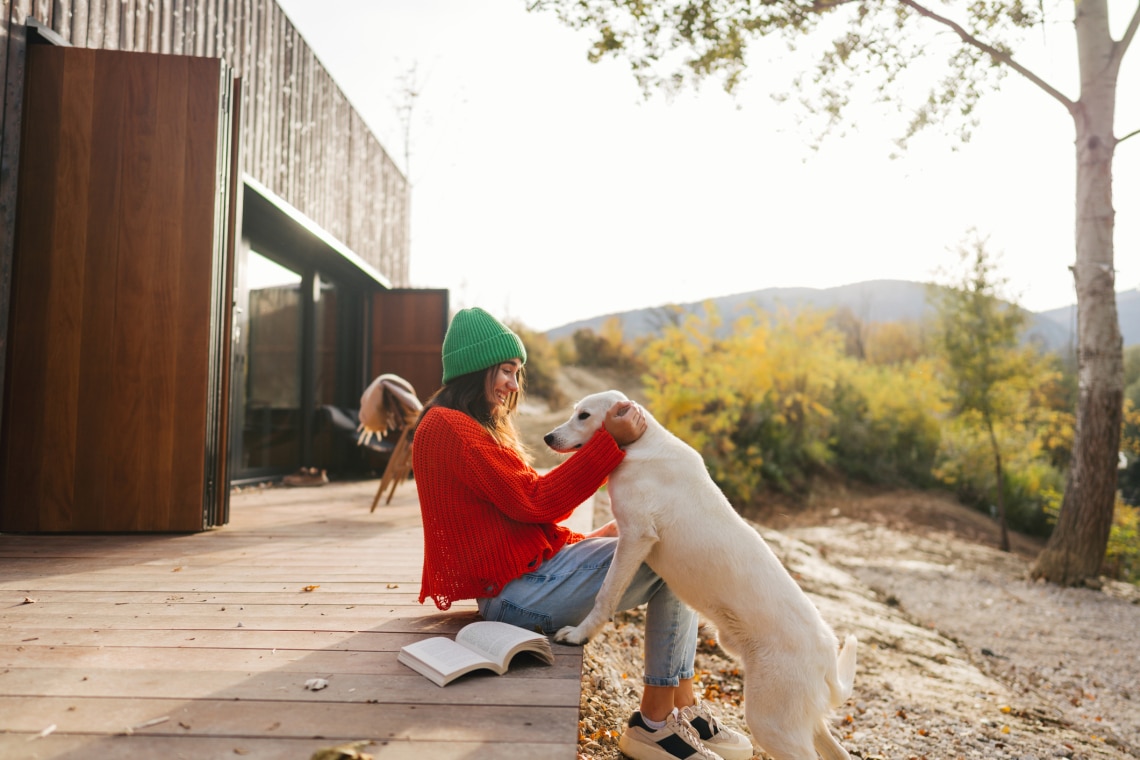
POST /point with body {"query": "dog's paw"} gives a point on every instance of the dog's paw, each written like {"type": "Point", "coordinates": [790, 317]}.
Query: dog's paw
{"type": "Point", "coordinates": [572, 634]}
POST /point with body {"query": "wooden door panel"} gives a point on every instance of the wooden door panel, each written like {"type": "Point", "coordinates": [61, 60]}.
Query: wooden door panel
{"type": "Point", "coordinates": [104, 428]}
{"type": "Point", "coordinates": [47, 300]}
{"type": "Point", "coordinates": [95, 412]}
{"type": "Point", "coordinates": [407, 336]}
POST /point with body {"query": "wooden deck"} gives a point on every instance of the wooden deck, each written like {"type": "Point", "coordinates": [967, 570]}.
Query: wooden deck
{"type": "Point", "coordinates": [199, 646]}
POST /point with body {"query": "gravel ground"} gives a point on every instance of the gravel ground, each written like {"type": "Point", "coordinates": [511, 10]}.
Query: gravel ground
{"type": "Point", "coordinates": [959, 655]}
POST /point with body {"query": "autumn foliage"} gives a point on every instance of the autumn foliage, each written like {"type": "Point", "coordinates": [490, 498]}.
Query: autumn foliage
{"type": "Point", "coordinates": [777, 402]}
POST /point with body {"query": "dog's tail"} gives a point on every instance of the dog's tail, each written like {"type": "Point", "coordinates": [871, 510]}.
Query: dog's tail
{"type": "Point", "coordinates": [843, 682]}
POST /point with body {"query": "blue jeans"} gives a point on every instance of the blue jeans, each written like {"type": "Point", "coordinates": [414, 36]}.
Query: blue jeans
{"type": "Point", "coordinates": [561, 592]}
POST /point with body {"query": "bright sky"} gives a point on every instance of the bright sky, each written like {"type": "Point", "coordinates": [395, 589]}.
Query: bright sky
{"type": "Point", "coordinates": [546, 189]}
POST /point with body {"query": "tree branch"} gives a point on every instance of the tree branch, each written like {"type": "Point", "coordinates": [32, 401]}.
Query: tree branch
{"type": "Point", "coordinates": [1133, 133]}
{"type": "Point", "coordinates": [1121, 47]}
{"type": "Point", "coordinates": [998, 55]}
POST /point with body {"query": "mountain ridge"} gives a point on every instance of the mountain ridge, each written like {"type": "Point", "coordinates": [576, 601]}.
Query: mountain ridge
{"type": "Point", "coordinates": [871, 301]}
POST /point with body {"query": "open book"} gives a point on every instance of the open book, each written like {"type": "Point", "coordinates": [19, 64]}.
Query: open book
{"type": "Point", "coordinates": [483, 644]}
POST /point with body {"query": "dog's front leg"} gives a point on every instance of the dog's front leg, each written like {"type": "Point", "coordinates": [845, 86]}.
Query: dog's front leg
{"type": "Point", "coordinates": [632, 549]}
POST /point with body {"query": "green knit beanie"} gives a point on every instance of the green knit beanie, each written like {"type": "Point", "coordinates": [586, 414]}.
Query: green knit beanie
{"type": "Point", "coordinates": [475, 340]}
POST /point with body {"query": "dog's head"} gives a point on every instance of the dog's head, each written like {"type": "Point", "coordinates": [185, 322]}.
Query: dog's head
{"type": "Point", "coordinates": [587, 419]}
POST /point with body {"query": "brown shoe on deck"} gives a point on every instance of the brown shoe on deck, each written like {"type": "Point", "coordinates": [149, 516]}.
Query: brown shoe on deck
{"type": "Point", "coordinates": [306, 476]}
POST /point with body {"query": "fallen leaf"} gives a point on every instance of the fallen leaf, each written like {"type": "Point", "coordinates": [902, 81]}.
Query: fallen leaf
{"type": "Point", "coordinates": [393, 585]}
{"type": "Point", "coordinates": [316, 684]}
{"type": "Point", "coordinates": [46, 732]}
{"type": "Point", "coordinates": [176, 570]}
{"type": "Point", "coordinates": [311, 588]}
{"type": "Point", "coordinates": [28, 600]}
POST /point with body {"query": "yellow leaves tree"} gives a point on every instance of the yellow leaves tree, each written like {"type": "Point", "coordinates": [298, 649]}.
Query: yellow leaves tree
{"type": "Point", "coordinates": [755, 400]}
{"type": "Point", "coordinates": [989, 375]}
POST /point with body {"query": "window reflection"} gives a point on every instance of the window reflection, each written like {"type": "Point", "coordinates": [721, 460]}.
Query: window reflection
{"type": "Point", "coordinates": [271, 434]}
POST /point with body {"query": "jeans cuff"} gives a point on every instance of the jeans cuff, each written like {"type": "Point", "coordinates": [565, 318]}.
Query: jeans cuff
{"type": "Point", "coordinates": [674, 681]}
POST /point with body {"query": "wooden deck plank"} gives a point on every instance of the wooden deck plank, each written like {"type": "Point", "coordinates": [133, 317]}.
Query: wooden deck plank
{"type": "Point", "coordinates": [256, 748]}
{"type": "Point", "coordinates": [314, 664]}
{"type": "Point", "coordinates": [102, 633]}
{"type": "Point", "coordinates": [14, 597]}
{"type": "Point", "coordinates": [298, 719]}
{"type": "Point", "coordinates": [243, 638]}
{"type": "Point", "coordinates": [279, 617]}
{"type": "Point", "coordinates": [529, 686]}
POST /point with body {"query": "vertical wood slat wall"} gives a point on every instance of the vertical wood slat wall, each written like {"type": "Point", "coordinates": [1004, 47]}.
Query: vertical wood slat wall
{"type": "Point", "coordinates": [300, 137]}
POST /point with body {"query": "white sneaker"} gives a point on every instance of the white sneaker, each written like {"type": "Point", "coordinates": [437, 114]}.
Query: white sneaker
{"type": "Point", "coordinates": [729, 744]}
{"type": "Point", "coordinates": [676, 740]}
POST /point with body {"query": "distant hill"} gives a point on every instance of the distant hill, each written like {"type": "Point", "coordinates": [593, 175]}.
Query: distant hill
{"type": "Point", "coordinates": [871, 301]}
{"type": "Point", "coordinates": [1127, 310]}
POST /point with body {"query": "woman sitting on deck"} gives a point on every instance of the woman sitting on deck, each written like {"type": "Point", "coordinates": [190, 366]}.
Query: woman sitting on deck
{"type": "Point", "coordinates": [491, 533]}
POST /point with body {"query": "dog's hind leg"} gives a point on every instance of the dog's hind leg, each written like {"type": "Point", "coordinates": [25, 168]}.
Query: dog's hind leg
{"type": "Point", "coordinates": [826, 745]}
{"type": "Point", "coordinates": [632, 549]}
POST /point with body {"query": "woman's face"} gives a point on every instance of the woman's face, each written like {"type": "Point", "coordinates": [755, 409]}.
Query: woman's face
{"type": "Point", "coordinates": [504, 381]}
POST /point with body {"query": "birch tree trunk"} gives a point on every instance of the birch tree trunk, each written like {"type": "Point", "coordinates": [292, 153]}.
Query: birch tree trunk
{"type": "Point", "coordinates": [1076, 549]}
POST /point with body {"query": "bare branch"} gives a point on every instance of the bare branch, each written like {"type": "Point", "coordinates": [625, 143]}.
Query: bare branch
{"type": "Point", "coordinates": [1133, 133]}
{"type": "Point", "coordinates": [1120, 48]}
{"type": "Point", "coordinates": [997, 55]}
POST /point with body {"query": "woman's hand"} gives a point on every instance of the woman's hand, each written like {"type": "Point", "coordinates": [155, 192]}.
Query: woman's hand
{"type": "Point", "coordinates": [609, 530]}
{"type": "Point", "coordinates": [625, 422]}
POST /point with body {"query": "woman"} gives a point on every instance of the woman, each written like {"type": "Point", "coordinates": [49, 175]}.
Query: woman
{"type": "Point", "coordinates": [491, 533]}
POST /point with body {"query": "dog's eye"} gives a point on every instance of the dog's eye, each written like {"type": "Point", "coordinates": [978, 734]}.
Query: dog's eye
{"type": "Point", "coordinates": [583, 415]}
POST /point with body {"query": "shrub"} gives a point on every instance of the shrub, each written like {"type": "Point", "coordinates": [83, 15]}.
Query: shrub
{"type": "Point", "coordinates": [887, 424]}
{"type": "Point", "coordinates": [542, 367]}
{"type": "Point", "coordinates": [966, 465]}
{"type": "Point", "coordinates": [607, 349]}
{"type": "Point", "coordinates": [1122, 560]}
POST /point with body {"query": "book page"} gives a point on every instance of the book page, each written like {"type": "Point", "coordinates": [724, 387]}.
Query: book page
{"type": "Point", "coordinates": [446, 656]}
{"type": "Point", "coordinates": [497, 640]}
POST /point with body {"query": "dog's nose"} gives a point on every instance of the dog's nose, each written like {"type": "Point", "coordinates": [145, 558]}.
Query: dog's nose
{"type": "Point", "coordinates": [548, 438]}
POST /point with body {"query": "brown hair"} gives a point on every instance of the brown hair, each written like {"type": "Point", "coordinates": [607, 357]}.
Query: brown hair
{"type": "Point", "coordinates": [469, 394]}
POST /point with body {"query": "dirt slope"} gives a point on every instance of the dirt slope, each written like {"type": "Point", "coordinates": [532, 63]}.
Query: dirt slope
{"type": "Point", "coordinates": [959, 655]}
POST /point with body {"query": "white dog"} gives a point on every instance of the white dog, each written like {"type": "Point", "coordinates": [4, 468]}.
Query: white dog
{"type": "Point", "coordinates": [671, 515]}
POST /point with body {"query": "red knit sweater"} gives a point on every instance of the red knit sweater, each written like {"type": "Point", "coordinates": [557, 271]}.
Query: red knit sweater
{"type": "Point", "coordinates": [488, 516]}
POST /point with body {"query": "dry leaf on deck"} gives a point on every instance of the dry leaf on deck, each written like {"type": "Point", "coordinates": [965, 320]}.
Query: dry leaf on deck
{"type": "Point", "coordinates": [316, 684]}
{"type": "Point", "coordinates": [311, 588]}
